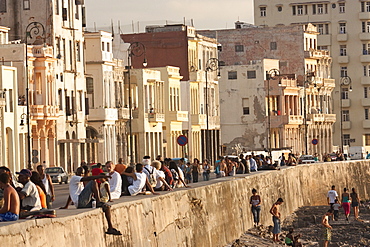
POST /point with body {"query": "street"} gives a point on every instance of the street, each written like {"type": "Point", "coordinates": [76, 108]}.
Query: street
{"type": "Point", "coordinates": [61, 195]}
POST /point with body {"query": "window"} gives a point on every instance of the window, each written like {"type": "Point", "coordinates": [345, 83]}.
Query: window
{"type": "Point", "coordinates": [366, 92]}
{"type": "Point", "coordinates": [89, 85]}
{"type": "Point", "coordinates": [320, 9]}
{"type": "Point", "coordinates": [239, 48]}
{"type": "Point", "coordinates": [314, 9]}
{"type": "Point", "coordinates": [366, 49]}
{"type": "Point", "coordinates": [11, 100]}
{"type": "Point", "coordinates": [323, 47]}
{"type": "Point", "coordinates": [245, 106]}
{"type": "Point", "coordinates": [273, 46]}
{"type": "Point", "coordinates": [251, 74]}
{"type": "Point", "coordinates": [294, 11]}
{"type": "Point", "coordinates": [343, 50]}
{"type": "Point", "coordinates": [232, 75]}
{"type": "Point", "coordinates": [344, 93]}
{"type": "Point", "coordinates": [60, 98]}
{"type": "Point", "coordinates": [64, 14]}
{"type": "Point", "coordinates": [365, 6]}
{"type": "Point", "coordinates": [78, 51]}
{"type": "Point", "coordinates": [365, 70]}
{"type": "Point", "coordinates": [108, 47]}
{"type": "Point", "coordinates": [77, 14]}
{"type": "Point", "coordinates": [342, 27]}
{"type": "Point", "coordinates": [366, 113]}
{"type": "Point", "coordinates": [57, 7]}
{"type": "Point", "coordinates": [280, 8]}
{"type": "Point", "coordinates": [320, 28]}
{"type": "Point", "coordinates": [26, 4]}
{"type": "Point", "coordinates": [343, 72]}
{"type": "Point", "coordinates": [345, 114]}
{"type": "Point", "coordinates": [263, 11]}
{"type": "Point", "coordinates": [366, 26]}
{"type": "Point", "coordinates": [346, 139]}
{"type": "Point", "coordinates": [102, 46]}
{"type": "Point", "coordinates": [367, 139]}
{"type": "Point", "coordinates": [300, 9]}
{"type": "Point", "coordinates": [342, 7]}
{"type": "Point", "coordinates": [2, 6]}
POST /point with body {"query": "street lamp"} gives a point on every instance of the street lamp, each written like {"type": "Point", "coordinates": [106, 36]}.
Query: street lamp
{"type": "Point", "coordinates": [33, 30]}
{"type": "Point", "coordinates": [345, 81]}
{"type": "Point", "coordinates": [272, 74]}
{"type": "Point", "coordinates": [136, 49]}
{"type": "Point", "coordinates": [310, 76]}
{"type": "Point", "coordinates": [212, 65]}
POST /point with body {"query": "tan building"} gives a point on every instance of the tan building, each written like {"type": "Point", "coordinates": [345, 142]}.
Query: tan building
{"type": "Point", "coordinates": [296, 50]}
{"type": "Point", "coordinates": [343, 28]}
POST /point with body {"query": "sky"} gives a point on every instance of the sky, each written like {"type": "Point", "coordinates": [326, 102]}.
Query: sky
{"type": "Point", "coordinates": [136, 14]}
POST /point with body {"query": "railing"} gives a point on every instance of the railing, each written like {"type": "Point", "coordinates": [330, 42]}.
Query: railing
{"type": "Point", "coordinates": [123, 113]}
{"type": "Point", "coordinates": [155, 117]}
{"type": "Point", "coordinates": [41, 51]}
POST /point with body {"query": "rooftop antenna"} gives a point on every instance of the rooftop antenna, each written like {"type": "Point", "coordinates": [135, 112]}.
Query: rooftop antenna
{"type": "Point", "coordinates": [95, 26]}
{"type": "Point", "coordinates": [133, 27]}
{"type": "Point", "coordinates": [112, 28]}
{"type": "Point", "coordinates": [192, 22]}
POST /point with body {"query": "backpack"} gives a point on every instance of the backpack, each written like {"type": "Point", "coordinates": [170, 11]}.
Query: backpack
{"type": "Point", "coordinates": [151, 178]}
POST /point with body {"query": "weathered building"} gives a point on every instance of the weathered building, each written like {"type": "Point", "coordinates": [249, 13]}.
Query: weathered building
{"type": "Point", "coordinates": [181, 46]}
{"type": "Point", "coordinates": [343, 28]}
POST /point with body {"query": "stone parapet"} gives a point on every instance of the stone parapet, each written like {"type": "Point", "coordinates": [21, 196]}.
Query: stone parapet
{"type": "Point", "coordinates": [209, 214]}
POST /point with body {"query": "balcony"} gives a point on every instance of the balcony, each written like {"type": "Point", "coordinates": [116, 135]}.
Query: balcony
{"type": "Point", "coordinates": [103, 114]}
{"type": "Point", "coordinates": [342, 37]}
{"type": "Point", "coordinates": [123, 113]}
{"type": "Point", "coordinates": [365, 58]}
{"type": "Point", "coordinates": [40, 51]}
{"type": "Point", "coordinates": [196, 75]}
{"type": "Point", "coordinates": [278, 121]}
{"type": "Point", "coordinates": [40, 112]}
{"type": "Point", "coordinates": [343, 59]}
{"type": "Point", "coordinates": [346, 102]}
{"type": "Point", "coordinates": [198, 119]}
{"type": "Point", "coordinates": [330, 118]}
{"type": "Point", "coordinates": [346, 125]}
{"type": "Point", "coordinates": [155, 117]}
{"type": "Point", "coordinates": [365, 80]}
{"type": "Point", "coordinates": [329, 83]}
{"type": "Point", "coordinates": [180, 116]}
{"type": "Point", "coordinates": [366, 124]}
{"type": "Point", "coordinates": [364, 15]}
{"type": "Point", "coordinates": [364, 36]}
{"type": "Point", "coordinates": [315, 54]}
{"type": "Point", "coordinates": [365, 102]}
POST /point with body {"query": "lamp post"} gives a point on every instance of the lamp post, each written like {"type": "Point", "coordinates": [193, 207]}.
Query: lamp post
{"type": "Point", "coordinates": [136, 49]}
{"type": "Point", "coordinates": [212, 65]}
{"type": "Point", "coordinates": [33, 30]}
{"type": "Point", "coordinates": [272, 74]}
{"type": "Point", "coordinates": [345, 81]}
{"type": "Point", "coordinates": [308, 80]}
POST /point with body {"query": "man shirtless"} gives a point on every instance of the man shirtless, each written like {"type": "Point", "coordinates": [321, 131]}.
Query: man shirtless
{"type": "Point", "coordinates": [276, 219]}
{"type": "Point", "coordinates": [327, 227]}
{"type": "Point", "coordinates": [11, 206]}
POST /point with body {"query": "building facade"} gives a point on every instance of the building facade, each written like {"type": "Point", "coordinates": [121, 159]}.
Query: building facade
{"type": "Point", "coordinates": [343, 28]}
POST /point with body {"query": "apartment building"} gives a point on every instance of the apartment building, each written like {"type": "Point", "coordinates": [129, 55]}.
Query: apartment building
{"type": "Point", "coordinates": [58, 24]}
{"type": "Point", "coordinates": [181, 46]}
{"type": "Point", "coordinates": [296, 50]}
{"type": "Point", "coordinates": [343, 28]}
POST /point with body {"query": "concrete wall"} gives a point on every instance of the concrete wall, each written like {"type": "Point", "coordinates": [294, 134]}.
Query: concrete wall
{"type": "Point", "coordinates": [210, 215]}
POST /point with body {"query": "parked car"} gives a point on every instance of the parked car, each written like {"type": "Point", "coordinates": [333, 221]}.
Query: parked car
{"type": "Point", "coordinates": [57, 175]}
{"type": "Point", "coordinates": [306, 159]}
{"type": "Point", "coordinates": [333, 156]}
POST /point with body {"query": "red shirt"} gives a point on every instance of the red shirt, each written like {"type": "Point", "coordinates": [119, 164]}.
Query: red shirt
{"type": "Point", "coordinates": [96, 171]}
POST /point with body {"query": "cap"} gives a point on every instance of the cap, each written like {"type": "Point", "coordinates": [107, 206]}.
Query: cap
{"type": "Point", "coordinates": [146, 162]}
{"type": "Point", "coordinates": [25, 172]}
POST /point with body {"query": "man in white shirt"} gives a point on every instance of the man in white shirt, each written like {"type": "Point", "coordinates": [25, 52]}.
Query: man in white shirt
{"type": "Point", "coordinates": [82, 196]}
{"type": "Point", "coordinates": [332, 195]}
{"type": "Point", "coordinates": [29, 194]}
{"type": "Point", "coordinates": [115, 182]}
{"type": "Point", "coordinates": [139, 180]}
{"type": "Point", "coordinates": [253, 164]}
{"type": "Point", "coordinates": [160, 177]}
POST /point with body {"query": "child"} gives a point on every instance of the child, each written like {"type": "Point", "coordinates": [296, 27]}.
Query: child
{"type": "Point", "coordinates": [336, 207]}
{"type": "Point", "coordinates": [104, 190]}
{"type": "Point", "coordinates": [291, 240]}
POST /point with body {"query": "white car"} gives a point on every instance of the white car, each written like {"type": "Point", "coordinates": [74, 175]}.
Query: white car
{"type": "Point", "coordinates": [306, 159]}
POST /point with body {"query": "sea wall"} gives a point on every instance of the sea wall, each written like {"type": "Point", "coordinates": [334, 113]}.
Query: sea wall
{"type": "Point", "coordinates": [209, 214]}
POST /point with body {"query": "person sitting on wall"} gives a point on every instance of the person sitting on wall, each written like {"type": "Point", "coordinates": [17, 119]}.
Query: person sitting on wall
{"type": "Point", "coordinates": [29, 194]}
{"type": "Point", "coordinates": [10, 209]}
{"type": "Point", "coordinates": [82, 196]}
{"type": "Point", "coordinates": [139, 180]}
{"type": "Point", "coordinates": [115, 182]}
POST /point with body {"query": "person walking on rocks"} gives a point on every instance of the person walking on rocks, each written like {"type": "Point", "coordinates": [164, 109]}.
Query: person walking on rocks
{"type": "Point", "coordinates": [346, 203]}
{"type": "Point", "coordinates": [355, 202]}
{"type": "Point", "coordinates": [276, 219]}
{"type": "Point", "coordinates": [327, 227]}
{"type": "Point", "coordinates": [255, 201]}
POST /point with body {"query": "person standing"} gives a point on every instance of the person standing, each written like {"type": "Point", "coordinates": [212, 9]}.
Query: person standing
{"type": "Point", "coordinates": [332, 195]}
{"type": "Point", "coordinates": [346, 203]}
{"type": "Point", "coordinates": [206, 170]}
{"type": "Point", "coordinates": [276, 219]}
{"type": "Point", "coordinates": [327, 227]}
{"type": "Point", "coordinates": [46, 180]}
{"type": "Point", "coordinates": [253, 164]}
{"type": "Point", "coordinates": [195, 170]}
{"type": "Point", "coordinates": [355, 202]}
{"type": "Point", "coordinates": [255, 201]}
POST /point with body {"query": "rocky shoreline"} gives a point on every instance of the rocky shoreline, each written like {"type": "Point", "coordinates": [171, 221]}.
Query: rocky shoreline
{"type": "Point", "coordinates": [307, 222]}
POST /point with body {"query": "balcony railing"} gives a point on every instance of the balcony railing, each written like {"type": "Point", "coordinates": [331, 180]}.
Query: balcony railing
{"type": "Point", "coordinates": [44, 111]}
{"type": "Point", "coordinates": [123, 113]}
{"type": "Point", "coordinates": [40, 51]}
{"type": "Point", "coordinates": [155, 117]}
